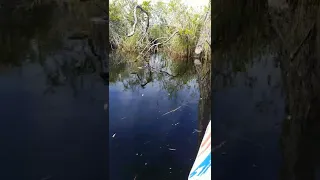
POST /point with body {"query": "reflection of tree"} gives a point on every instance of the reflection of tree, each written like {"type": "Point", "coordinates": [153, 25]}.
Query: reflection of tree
{"type": "Point", "coordinates": [294, 32]}
{"type": "Point", "coordinates": [59, 36]}
{"type": "Point", "coordinates": [204, 105]}
{"type": "Point", "coordinates": [299, 63]}
{"type": "Point", "coordinates": [173, 75]}
{"type": "Point", "coordinates": [239, 34]}
{"type": "Point", "coordinates": [17, 30]}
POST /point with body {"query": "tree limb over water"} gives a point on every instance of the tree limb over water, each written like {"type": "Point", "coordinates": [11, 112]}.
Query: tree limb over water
{"type": "Point", "coordinates": [157, 44]}
{"type": "Point", "coordinates": [136, 20]}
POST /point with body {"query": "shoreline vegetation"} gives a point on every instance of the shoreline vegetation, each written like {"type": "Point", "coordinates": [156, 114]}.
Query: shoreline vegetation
{"type": "Point", "coordinates": [147, 28]}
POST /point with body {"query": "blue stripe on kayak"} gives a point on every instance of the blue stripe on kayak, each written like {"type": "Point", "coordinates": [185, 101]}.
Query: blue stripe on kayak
{"type": "Point", "coordinates": [204, 166]}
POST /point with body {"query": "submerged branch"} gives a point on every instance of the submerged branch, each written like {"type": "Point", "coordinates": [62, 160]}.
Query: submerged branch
{"type": "Point", "coordinates": [171, 111]}
{"type": "Point", "coordinates": [294, 53]}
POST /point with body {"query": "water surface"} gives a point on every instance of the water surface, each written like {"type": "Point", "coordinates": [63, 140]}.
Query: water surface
{"type": "Point", "coordinates": [55, 98]}
{"type": "Point", "coordinates": [52, 121]}
{"type": "Point", "coordinates": [152, 126]}
{"type": "Point", "coordinates": [248, 109]}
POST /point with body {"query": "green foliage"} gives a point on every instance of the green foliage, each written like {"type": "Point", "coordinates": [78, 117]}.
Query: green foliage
{"type": "Point", "coordinates": [146, 5]}
{"type": "Point", "coordinates": [165, 19]}
{"type": "Point", "coordinates": [130, 44]}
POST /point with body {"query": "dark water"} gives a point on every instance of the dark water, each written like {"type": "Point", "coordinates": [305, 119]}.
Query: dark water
{"type": "Point", "coordinates": [51, 135]}
{"type": "Point", "coordinates": [52, 119]}
{"type": "Point", "coordinates": [54, 95]}
{"type": "Point", "coordinates": [152, 127]}
{"type": "Point", "coordinates": [248, 108]}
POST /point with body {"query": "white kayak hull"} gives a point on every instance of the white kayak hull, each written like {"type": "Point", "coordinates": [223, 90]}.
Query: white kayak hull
{"type": "Point", "coordinates": [201, 169]}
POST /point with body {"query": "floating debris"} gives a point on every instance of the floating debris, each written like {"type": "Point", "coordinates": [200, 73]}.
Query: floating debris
{"type": "Point", "coordinates": [141, 154]}
{"type": "Point", "coordinates": [147, 142]}
{"type": "Point", "coordinates": [142, 94]}
{"type": "Point", "coordinates": [171, 111]}
{"type": "Point", "coordinates": [254, 165]}
{"type": "Point", "coordinates": [171, 149]}
{"type": "Point", "coordinates": [218, 146]}
{"type": "Point", "coordinates": [170, 168]}
{"type": "Point", "coordinates": [289, 117]}
{"type": "Point", "coordinates": [123, 118]}
{"type": "Point", "coordinates": [140, 67]}
{"type": "Point", "coordinates": [135, 177]}
{"type": "Point", "coordinates": [196, 130]}
{"type": "Point", "coordinates": [113, 135]}
{"type": "Point", "coordinates": [175, 124]}
{"type": "Point", "coordinates": [137, 154]}
{"type": "Point", "coordinates": [145, 164]}
{"type": "Point", "coordinates": [105, 106]}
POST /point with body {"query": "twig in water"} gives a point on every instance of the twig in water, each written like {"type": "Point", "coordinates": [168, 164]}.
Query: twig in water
{"type": "Point", "coordinates": [294, 53]}
{"type": "Point", "coordinates": [196, 130]}
{"type": "Point", "coordinates": [171, 149]}
{"type": "Point", "coordinates": [171, 111]}
{"type": "Point", "coordinates": [218, 146]}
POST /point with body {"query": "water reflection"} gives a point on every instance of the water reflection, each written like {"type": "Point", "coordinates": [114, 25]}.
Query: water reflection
{"type": "Point", "coordinates": [265, 104]}
{"type": "Point", "coordinates": [153, 117]}
{"type": "Point", "coordinates": [52, 93]}
{"type": "Point", "coordinates": [247, 111]}
{"type": "Point", "coordinates": [54, 101]}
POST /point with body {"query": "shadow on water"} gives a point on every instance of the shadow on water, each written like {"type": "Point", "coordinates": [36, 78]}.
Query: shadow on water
{"type": "Point", "coordinates": [53, 124]}
{"type": "Point", "coordinates": [153, 117]}
{"type": "Point", "coordinates": [265, 102]}
{"type": "Point", "coordinates": [248, 108]}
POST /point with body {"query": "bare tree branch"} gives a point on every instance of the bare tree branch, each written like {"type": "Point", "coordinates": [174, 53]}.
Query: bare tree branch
{"type": "Point", "coordinates": [136, 20]}
{"type": "Point", "coordinates": [157, 44]}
